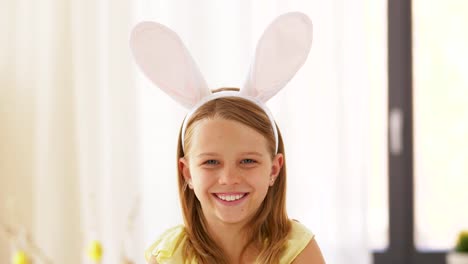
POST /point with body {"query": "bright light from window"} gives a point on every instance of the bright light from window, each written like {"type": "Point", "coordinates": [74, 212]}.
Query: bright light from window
{"type": "Point", "coordinates": [441, 121]}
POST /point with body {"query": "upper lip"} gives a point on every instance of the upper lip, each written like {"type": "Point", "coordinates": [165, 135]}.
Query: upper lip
{"type": "Point", "coordinates": [230, 193]}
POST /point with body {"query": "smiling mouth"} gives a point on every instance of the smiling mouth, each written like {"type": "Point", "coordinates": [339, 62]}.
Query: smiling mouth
{"type": "Point", "coordinates": [230, 197]}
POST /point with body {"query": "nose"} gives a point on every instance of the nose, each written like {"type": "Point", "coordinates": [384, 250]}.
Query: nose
{"type": "Point", "coordinates": [229, 175]}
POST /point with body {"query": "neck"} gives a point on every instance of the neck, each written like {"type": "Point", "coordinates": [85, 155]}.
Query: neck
{"type": "Point", "coordinates": [232, 239]}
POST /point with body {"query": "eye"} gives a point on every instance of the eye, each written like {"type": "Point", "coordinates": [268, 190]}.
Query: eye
{"type": "Point", "coordinates": [211, 162]}
{"type": "Point", "coordinates": [248, 161]}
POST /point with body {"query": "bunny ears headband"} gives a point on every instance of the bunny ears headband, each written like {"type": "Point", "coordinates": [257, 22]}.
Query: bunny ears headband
{"type": "Point", "coordinates": [280, 53]}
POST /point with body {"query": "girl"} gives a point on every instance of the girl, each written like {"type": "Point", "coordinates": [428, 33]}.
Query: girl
{"type": "Point", "coordinates": [231, 161]}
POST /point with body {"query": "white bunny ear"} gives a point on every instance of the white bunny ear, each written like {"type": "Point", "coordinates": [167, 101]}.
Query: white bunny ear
{"type": "Point", "coordinates": [280, 53]}
{"type": "Point", "coordinates": [164, 59]}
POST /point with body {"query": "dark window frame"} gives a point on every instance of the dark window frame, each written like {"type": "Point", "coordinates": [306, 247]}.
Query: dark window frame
{"type": "Point", "coordinates": [401, 248]}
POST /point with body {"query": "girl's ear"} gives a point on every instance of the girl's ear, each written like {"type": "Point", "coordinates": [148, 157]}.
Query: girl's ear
{"type": "Point", "coordinates": [163, 58]}
{"type": "Point", "coordinates": [185, 170]}
{"type": "Point", "coordinates": [281, 52]}
{"type": "Point", "coordinates": [278, 162]}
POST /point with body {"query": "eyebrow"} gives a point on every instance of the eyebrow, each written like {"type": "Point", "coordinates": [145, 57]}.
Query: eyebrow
{"type": "Point", "coordinates": [214, 154]}
{"type": "Point", "coordinates": [252, 153]}
{"type": "Point", "coordinates": [210, 154]}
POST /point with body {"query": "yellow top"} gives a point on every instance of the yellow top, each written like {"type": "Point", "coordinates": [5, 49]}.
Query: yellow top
{"type": "Point", "coordinates": [168, 247]}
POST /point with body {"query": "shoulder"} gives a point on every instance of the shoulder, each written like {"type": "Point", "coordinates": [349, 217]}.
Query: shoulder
{"type": "Point", "coordinates": [310, 254]}
{"type": "Point", "coordinates": [300, 231]}
{"type": "Point", "coordinates": [301, 246]}
{"type": "Point", "coordinates": [167, 246]}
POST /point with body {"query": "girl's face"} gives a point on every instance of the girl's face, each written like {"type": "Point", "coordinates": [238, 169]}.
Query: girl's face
{"type": "Point", "coordinates": [230, 170]}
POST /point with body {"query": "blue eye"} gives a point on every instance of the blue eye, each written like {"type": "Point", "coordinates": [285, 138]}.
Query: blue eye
{"type": "Point", "coordinates": [211, 162]}
{"type": "Point", "coordinates": [248, 161]}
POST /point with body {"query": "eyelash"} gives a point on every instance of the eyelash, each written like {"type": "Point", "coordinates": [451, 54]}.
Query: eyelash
{"type": "Point", "coordinates": [209, 162]}
{"type": "Point", "coordinates": [244, 161]}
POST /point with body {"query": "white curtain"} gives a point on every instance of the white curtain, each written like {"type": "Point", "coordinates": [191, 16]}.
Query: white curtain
{"type": "Point", "coordinates": [86, 137]}
{"type": "Point", "coordinates": [72, 148]}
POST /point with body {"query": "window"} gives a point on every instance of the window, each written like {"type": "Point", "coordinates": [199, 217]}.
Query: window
{"type": "Point", "coordinates": [428, 128]}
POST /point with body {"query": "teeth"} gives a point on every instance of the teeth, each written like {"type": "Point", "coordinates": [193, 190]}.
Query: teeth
{"type": "Point", "coordinates": [230, 198]}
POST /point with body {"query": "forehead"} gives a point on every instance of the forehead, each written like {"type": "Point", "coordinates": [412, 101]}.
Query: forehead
{"type": "Point", "coordinates": [221, 135]}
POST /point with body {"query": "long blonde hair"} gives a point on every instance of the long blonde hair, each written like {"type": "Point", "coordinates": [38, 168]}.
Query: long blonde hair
{"type": "Point", "coordinates": [270, 226]}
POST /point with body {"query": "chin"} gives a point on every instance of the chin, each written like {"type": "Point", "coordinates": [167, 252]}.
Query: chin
{"type": "Point", "coordinates": [232, 220]}
{"type": "Point", "coordinates": [236, 219]}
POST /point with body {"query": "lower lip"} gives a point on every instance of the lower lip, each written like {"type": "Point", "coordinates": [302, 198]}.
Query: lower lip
{"type": "Point", "coordinates": [231, 203]}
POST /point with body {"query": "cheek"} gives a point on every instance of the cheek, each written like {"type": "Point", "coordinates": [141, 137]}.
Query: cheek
{"type": "Point", "coordinates": [261, 182]}
{"type": "Point", "coordinates": [199, 186]}
{"type": "Point", "coordinates": [265, 186]}
{"type": "Point", "coordinates": [201, 179]}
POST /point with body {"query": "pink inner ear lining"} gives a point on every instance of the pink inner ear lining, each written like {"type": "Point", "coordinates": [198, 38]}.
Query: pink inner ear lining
{"type": "Point", "coordinates": [149, 42]}
{"type": "Point", "coordinates": [180, 93]}
{"type": "Point", "coordinates": [272, 70]}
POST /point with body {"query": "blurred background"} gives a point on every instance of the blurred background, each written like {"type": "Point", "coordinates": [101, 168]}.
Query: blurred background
{"type": "Point", "coordinates": [88, 145]}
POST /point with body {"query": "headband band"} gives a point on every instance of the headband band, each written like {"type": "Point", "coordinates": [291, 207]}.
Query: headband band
{"type": "Point", "coordinates": [230, 94]}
